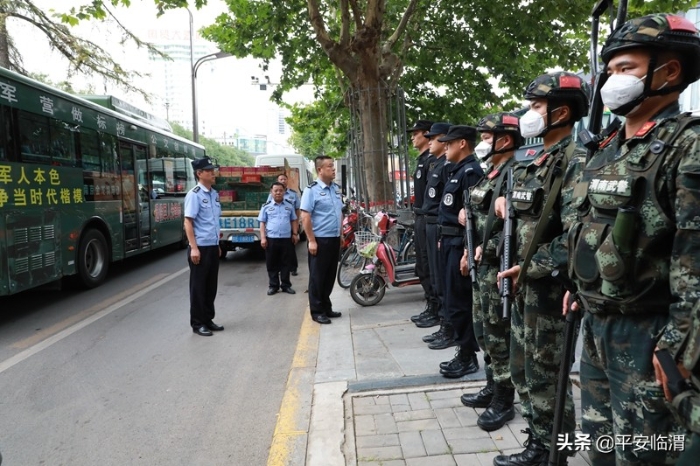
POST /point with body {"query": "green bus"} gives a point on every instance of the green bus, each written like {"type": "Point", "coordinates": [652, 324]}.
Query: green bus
{"type": "Point", "coordinates": [82, 185]}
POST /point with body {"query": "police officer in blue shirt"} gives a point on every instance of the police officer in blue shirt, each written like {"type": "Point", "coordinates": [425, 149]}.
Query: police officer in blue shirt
{"type": "Point", "coordinates": [463, 172]}
{"type": "Point", "coordinates": [202, 213]}
{"type": "Point", "coordinates": [278, 226]}
{"type": "Point", "coordinates": [291, 196]}
{"type": "Point", "coordinates": [321, 214]}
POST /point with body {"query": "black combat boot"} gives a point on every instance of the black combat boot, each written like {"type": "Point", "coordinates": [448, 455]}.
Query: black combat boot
{"type": "Point", "coordinates": [500, 411]}
{"type": "Point", "coordinates": [446, 340]}
{"type": "Point", "coordinates": [435, 335]}
{"type": "Point", "coordinates": [430, 320]}
{"type": "Point", "coordinates": [535, 454]}
{"type": "Point", "coordinates": [465, 362]}
{"type": "Point", "coordinates": [423, 314]}
{"type": "Point", "coordinates": [481, 399]}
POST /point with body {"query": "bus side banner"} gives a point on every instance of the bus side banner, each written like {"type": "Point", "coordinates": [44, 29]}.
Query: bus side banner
{"type": "Point", "coordinates": [24, 185]}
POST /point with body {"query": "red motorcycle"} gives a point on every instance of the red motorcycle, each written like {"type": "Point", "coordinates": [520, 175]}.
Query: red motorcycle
{"type": "Point", "coordinates": [348, 228]}
{"type": "Point", "coordinates": [368, 288]}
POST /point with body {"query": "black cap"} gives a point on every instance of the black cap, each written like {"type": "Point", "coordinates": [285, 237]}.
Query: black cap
{"type": "Point", "coordinates": [467, 133]}
{"type": "Point", "coordinates": [438, 128]}
{"type": "Point", "coordinates": [203, 164]}
{"type": "Point", "coordinates": [421, 125]}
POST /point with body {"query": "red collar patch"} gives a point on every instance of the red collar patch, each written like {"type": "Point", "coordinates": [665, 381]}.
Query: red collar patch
{"type": "Point", "coordinates": [607, 140]}
{"type": "Point", "coordinates": [644, 130]}
{"type": "Point", "coordinates": [493, 174]}
{"type": "Point", "coordinates": [540, 160]}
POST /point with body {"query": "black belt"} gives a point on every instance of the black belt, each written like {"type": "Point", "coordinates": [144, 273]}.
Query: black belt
{"type": "Point", "coordinates": [431, 219]}
{"type": "Point", "coordinates": [450, 231]}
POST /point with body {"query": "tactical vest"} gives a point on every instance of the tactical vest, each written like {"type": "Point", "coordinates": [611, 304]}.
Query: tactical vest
{"type": "Point", "coordinates": [532, 188]}
{"type": "Point", "coordinates": [622, 242]}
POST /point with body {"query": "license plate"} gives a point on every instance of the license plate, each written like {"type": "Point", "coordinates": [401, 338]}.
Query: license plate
{"type": "Point", "coordinates": [242, 239]}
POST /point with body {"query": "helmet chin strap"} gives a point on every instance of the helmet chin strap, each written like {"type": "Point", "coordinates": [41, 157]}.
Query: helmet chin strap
{"type": "Point", "coordinates": [560, 124]}
{"type": "Point", "coordinates": [648, 91]}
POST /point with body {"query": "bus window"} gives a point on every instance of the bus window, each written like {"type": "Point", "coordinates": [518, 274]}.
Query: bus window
{"type": "Point", "coordinates": [90, 150]}
{"type": "Point", "coordinates": [34, 138]}
{"type": "Point", "coordinates": [7, 141]}
{"type": "Point", "coordinates": [62, 144]}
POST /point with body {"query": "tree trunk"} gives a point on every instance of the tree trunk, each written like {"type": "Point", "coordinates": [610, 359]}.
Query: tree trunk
{"type": "Point", "coordinates": [4, 39]}
{"type": "Point", "coordinates": [372, 113]}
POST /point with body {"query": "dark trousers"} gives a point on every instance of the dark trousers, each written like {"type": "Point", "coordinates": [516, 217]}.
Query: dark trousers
{"type": "Point", "coordinates": [278, 257]}
{"type": "Point", "coordinates": [422, 264]}
{"type": "Point", "coordinates": [458, 293]}
{"type": "Point", "coordinates": [204, 280]}
{"type": "Point", "coordinates": [322, 269]}
{"type": "Point", "coordinates": [437, 278]}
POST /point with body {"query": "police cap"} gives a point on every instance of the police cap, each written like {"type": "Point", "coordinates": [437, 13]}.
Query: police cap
{"type": "Point", "coordinates": [203, 164]}
{"type": "Point", "coordinates": [421, 125]}
{"type": "Point", "coordinates": [468, 133]}
{"type": "Point", "coordinates": [438, 128]}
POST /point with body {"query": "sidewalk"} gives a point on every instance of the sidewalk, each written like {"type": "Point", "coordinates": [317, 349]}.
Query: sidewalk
{"type": "Point", "coordinates": [378, 398]}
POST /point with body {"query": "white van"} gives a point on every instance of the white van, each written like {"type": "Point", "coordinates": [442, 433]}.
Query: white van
{"type": "Point", "coordinates": [294, 161]}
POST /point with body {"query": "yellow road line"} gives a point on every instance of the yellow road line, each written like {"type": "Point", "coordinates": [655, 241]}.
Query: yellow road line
{"type": "Point", "coordinates": [286, 430]}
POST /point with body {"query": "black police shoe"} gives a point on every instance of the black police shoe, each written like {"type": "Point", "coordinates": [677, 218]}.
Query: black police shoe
{"type": "Point", "coordinates": [271, 291]}
{"type": "Point", "coordinates": [213, 327]}
{"type": "Point", "coordinates": [500, 411]}
{"type": "Point", "coordinates": [202, 330]}
{"type": "Point", "coordinates": [446, 341]}
{"type": "Point", "coordinates": [428, 321]}
{"type": "Point", "coordinates": [481, 399]}
{"type": "Point", "coordinates": [333, 314]}
{"type": "Point", "coordinates": [288, 290]}
{"type": "Point", "coordinates": [460, 366]}
{"type": "Point", "coordinates": [294, 273]}
{"type": "Point", "coordinates": [321, 319]}
{"type": "Point", "coordinates": [535, 454]}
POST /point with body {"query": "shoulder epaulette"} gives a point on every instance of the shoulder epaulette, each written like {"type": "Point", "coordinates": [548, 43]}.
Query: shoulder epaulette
{"type": "Point", "coordinates": [287, 200]}
{"type": "Point", "coordinates": [266, 203]}
{"type": "Point", "coordinates": [196, 189]}
{"type": "Point", "coordinates": [313, 184]}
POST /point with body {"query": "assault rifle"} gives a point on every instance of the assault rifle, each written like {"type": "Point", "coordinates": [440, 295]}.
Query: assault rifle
{"type": "Point", "coordinates": [469, 239]}
{"type": "Point", "coordinates": [508, 252]}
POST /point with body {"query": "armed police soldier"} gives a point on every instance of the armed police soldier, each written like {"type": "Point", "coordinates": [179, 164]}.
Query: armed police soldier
{"type": "Point", "coordinates": [429, 317]}
{"type": "Point", "coordinates": [321, 214]}
{"type": "Point", "coordinates": [202, 212]}
{"type": "Point", "coordinates": [634, 252]}
{"type": "Point", "coordinates": [500, 137]}
{"type": "Point", "coordinates": [543, 203]}
{"type": "Point", "coordinates": [278, 224]}
{"type": "Point", "coordinates": [291, 196]}
{"type": "Point", "coordinates": [444, 337]}
{"type": "Point", "coordinates": [462, 173]}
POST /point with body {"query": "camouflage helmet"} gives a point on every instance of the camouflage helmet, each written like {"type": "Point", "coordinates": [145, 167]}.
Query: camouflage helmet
{"type": "Point", "coordinates": [502, 122]}
{"type": "Point", "coordinates": [564, 86]}
{"type": "Point", "coordinates": [660, 31]}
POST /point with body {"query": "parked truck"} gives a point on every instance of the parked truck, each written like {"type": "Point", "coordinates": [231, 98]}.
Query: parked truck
{"type": "Point", "coordinates": [242, 192]}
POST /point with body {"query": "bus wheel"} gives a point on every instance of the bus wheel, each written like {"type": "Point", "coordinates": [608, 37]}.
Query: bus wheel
{"type": "Point", "coordinates": [93, 259]}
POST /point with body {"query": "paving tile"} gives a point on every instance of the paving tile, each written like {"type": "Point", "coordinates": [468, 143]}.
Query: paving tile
{"type": "Point", "coordinates": [422, 424]}
{"type": "Point", "coordinates": [471, 445]}
{"type": "Point", "coordinates": [381, 400]}
{"type": "Point", "coordinates": [379, 453]}
{"type": "Point", "coordinates": [434, 442]}
{"type": "Point", "coordinates": [442, 460]}
{"type": "Point", "coordinates": [447, 418]}
{"type": "Point", "coordinates": [467, 416]}
{"type": "Point", "coordinates": [385, 440]}
{"type": "Point", "coordinates": [418, 400]}
{"type": "Point", "coordinates": [414, 415]}
{"type": "Point", "coordinates": [452, 402]}
{"type": "Point", "coordinates": [371, 409]}
{"type": "Point", "coordinates": [504, 439]}
{"type": "Point", "coordinates": [382, 463]}
{"type": "Point", "coordinates": [363, 401]}
{"type": "Point", "coordinates": [443, 394]}
{"type": "Point", "coordinates": [465, 432]}
{"type": "Point", "coordinates": [486, 459]}
{"type": "Point", "coordinates": [385, 424]}
{"type": "Point", "coordinates": [412, 444]}
{"type": "Point", "coordinates": [399, 399]}
{"type": "Point", "coordinates": [364, 425]}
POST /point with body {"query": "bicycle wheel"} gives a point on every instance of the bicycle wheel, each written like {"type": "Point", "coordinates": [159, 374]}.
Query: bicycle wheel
{"type": "Point", "coordinates": [367, 289]}
{"type": "Point", "coordinates": [408, 253]}
{"type": "Point", "coordinates": [350, 265]}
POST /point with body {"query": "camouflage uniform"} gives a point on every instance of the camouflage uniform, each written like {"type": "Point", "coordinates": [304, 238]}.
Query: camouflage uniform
{"type": "Point", "coordinates": [537, 325]}
{"type": "Point", "coordinates": [634, 256]}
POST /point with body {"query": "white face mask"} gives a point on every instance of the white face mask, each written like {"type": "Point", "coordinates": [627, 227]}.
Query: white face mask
{"type": "Point", "coordinates": [531, 124]}
{"type": "Point", "coordinates": [621, 89]}
{"type": "Point", "coordinates": [482, 149]}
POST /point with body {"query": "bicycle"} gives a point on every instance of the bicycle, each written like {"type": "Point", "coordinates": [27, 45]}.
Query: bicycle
{"type": "Point", "coordinates": [351, 262]}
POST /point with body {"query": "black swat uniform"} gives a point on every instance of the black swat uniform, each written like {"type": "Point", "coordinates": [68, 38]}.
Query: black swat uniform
{"type": "Point", "coordinates": [458, 289]}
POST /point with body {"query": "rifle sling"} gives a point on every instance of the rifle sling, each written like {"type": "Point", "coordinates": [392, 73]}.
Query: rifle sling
{"type": "Point", "coordinates": [492, 209]}
{"type": "Point", "coordinates": [549, 205]}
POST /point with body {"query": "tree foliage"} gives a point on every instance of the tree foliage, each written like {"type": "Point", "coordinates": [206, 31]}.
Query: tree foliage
{"type": "Point", "coordinates": [224, 155]}
{"type": "Point", "coordinates": [448, 60]}
{"type": "Point", "coordinates": [84, 55]}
